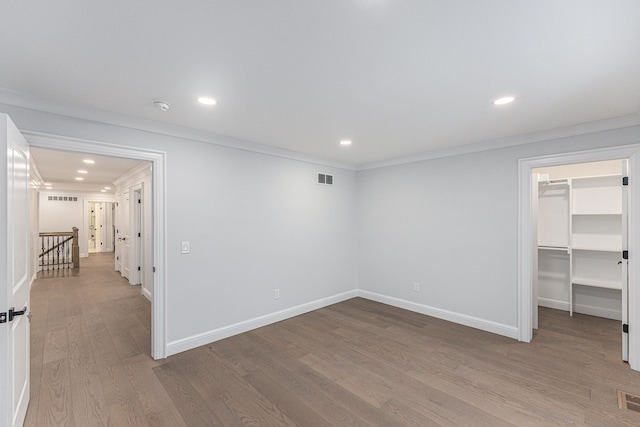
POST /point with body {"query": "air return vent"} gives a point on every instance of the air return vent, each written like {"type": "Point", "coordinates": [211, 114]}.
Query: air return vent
{"type": "Point", "coordinates": [628, 401]}
{"type": "Point", "coordinates": [62, 198]}
{"type": "Point", "coordinates": [325, 179]}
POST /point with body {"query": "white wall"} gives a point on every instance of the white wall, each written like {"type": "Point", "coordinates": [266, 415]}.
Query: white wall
{"type": "Point", "coordinates": [451, 224]}
{"type": "Point", "coordinates": [56, 215]}
{"type": "Point", "coordinates": [255, 223]}
{"type": "Point", "coordinates": [34, 225]}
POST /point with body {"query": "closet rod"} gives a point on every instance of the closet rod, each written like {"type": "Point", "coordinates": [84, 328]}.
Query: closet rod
{"type": "Point", "coordinates": [555, 182]}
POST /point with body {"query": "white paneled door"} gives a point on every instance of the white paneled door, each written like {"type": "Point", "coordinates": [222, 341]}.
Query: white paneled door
{"type": "Point", "coordinates": [15, 283]}
{"type": "Point", "coordinates": [125, 253]}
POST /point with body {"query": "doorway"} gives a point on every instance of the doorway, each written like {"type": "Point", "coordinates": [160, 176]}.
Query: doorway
{"type": "Point", "coordinates": [157, 160]}
{"type": "Point", "coordinates": [527, 236]}
{"type": "Point", "coordinates": [581, 238]}
{"type": "Point", "coordinates": [99, 226]}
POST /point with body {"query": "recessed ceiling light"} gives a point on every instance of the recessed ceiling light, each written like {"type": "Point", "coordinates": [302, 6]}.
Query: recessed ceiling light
{"type": "Point", "coordinates": [82, 171]}
{"type": "Point", "coordinates": [48, 188]}
{"type": "Point", "coordinates": [47, 184]}
{"type": "Point", "coordinates": [107, 188]}
{"type": "Point", "coordinates": [205, 100]}
{"type": "Point", "coordinates": [345, 142]}
{"type": "Point", "coordinates": [79, 178]}
{"type": "Point", "coordinates": [504, 100]}
{"type": "Point", "coordinates": [89, 161]}
{"type": "Point", "coordinates": [103, 191]}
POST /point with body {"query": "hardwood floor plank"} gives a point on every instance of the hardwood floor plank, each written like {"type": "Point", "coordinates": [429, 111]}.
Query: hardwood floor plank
{"type": "Point", "coordinates": [193, 408]}
{"type": "Point", "coordinates": [287, 402]}
{"type": "Point", "coordinates": [56, 346]}
{"type": "Point", "coordinates": [156, 403]}
{"type": "Point", "coordinates": [335, 403]}
{"type": "Point", "coordinates": [56, 405]}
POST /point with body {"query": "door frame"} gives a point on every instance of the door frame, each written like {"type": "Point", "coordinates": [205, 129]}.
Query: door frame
{"type": "Point", "coordinates": [527, 239]}
{"type": "Point", "coordinates": [158, 161]}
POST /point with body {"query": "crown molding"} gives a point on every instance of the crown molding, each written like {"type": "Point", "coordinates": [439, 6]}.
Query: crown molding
{"type": "Point", "coordinates": [26, 101]}
{"type": "Point", "coordinates": [138, 172]}
{"type": "Point", "coordinates": [30, 102]}
{"type": "Point", "coordinates": [629, 120]}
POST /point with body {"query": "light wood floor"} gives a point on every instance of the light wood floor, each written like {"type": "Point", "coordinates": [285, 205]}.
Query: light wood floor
{"type": "Point", "coordinates": [353, 363]}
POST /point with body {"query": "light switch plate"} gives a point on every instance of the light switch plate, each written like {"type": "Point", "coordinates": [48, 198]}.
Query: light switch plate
{"type": "Point", "coordinates": [185, 247]}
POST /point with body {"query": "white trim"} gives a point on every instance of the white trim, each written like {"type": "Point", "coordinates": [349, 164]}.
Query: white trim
{"type": "Point", "coordinates": [451, 316]}
{"type": "Point", "coordinates": [580, 308]}
{"type": "Point", "coordinates": [547, 135]}
{"type": "Point", "coordinates": [147, 294]}
{"type": "Point", "coordinates": [158, 160]}
{"type": "Point", "coordinates": [553, 303]}
{"type": "Point", "coordinates": [136, 173]}
{"type": "Point", "coordinates": [208, 337]}
{"type": "Point", "coordinates": [525, 237]}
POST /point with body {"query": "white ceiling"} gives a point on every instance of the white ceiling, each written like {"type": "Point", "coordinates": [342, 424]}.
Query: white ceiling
{"type": "Point", "coordinates": [61, 168]}
{"type": "Point", "coordinates": [396, 77]}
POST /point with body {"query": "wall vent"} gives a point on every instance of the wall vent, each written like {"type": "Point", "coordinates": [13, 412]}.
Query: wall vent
{"type": "Point", "coordinates": [325, 179]}
{"type": "Point", "coordinates": [62, 198]}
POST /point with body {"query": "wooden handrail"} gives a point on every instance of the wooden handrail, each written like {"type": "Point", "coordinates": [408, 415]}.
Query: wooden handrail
{"type": "Point", "coordinates": [57, 233]}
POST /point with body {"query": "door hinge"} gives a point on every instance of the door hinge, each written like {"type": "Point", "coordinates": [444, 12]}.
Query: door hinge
{"type": "Point", "coordinates": [139, 201]}
{"type": "Point", "coordinates": [625, 180]}
{"type": "Point", "coordinates": [138, 268]}
{"type": "Point", "coordinates": [154, 269]}
{"type": "Point", "coordinates": [625, 254]}
{"type": "Point", "coordinates": [625, 328]}
{"type": "Point", "coordinates": [3, 317]}
{"type": "Point", "coordinates": [139, 235]}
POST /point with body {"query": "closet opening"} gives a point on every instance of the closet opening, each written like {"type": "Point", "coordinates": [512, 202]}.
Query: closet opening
{"type": "Point", "coordinates": [582, 235]}
{"type": "Point", "coordinates": [527, 283]}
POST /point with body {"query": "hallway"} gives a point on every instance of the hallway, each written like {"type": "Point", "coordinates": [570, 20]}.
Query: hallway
{"type": "Point", "coordinates": [90, 350]}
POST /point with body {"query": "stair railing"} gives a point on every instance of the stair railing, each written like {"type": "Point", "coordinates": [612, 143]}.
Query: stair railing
{"type": "Point", "coordinates": [59, 250]}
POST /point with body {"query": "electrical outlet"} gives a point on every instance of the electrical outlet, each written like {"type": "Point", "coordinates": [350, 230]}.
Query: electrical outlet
{"type": "Point", "coordinates": [276, 294]}
{"type": "Point", "coordinates": [416, 287]}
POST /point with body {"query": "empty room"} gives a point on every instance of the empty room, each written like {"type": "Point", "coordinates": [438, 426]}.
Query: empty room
{"type": "Point", "coordinates": [362, 212]}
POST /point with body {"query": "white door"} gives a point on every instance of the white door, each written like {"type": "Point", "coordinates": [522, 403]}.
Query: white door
{"type": "Point", "coordinates": [625, 263]}
{"type": "Point", "coordinates": [99, 225]}
{"type": "Point", "coordinates": [136, 243]}
{"type": "Point", "coordinates": [117, 220]}
{"type": "Point", "coordinates": [14, 266]}
{"type": "Point", "coordinates": [126, 236]}
{"type": "Point", "coordinates": [93, 227]}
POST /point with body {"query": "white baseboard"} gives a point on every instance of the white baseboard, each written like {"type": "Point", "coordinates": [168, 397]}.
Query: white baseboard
{"type": "Point", "coordinates": [147, 294]}
{"type": "Point", "coordinates": [462, 319]}
{"type": "Point", "coordinates": [553, 303]}
{"type": "Point", "coordinates": [580, 308]}
{"type": "Point", "coordinates": [204, 338]}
